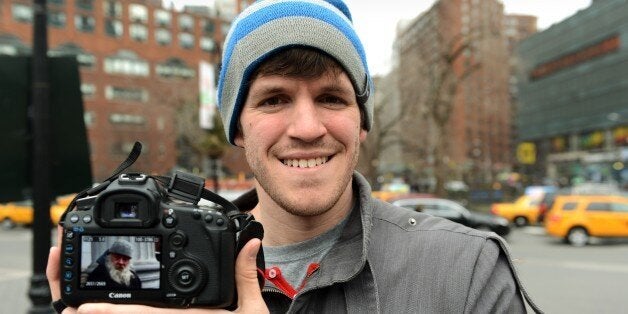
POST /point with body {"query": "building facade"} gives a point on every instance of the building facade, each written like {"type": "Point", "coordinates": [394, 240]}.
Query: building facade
{"type": "Point", "coordinates": [573, 96]}
{"type": "Point", "coordinates": [451, 69]}
{"type": "Point", "coordinates": [139, 64]}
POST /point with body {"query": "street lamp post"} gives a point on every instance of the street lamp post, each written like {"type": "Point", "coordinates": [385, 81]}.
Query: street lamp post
{"type": "Point", "coordinates": [39, 292]}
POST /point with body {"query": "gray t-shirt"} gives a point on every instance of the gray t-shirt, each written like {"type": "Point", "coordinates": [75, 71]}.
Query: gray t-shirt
{"type": "Point", "coordinates": [294, 259]}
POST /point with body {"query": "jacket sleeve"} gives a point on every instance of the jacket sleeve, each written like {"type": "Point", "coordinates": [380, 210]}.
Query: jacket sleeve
{"type": "Point", "coordinates": [493, 288]}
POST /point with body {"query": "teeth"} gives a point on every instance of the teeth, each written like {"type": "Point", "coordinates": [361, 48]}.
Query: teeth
{"type": "Point", "coordinates": [305, 163]}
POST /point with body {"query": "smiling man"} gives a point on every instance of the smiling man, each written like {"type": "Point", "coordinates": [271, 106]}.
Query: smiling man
{"type": "Point", "coordinates": [295, 94]}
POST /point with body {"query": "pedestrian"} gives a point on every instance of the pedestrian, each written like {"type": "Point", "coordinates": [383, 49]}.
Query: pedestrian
{"type": "Point", "coordinates": [296, 95]}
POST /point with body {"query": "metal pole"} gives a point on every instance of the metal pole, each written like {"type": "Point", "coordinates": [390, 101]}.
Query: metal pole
{"type": "Point", "coordinates": [39, 292]}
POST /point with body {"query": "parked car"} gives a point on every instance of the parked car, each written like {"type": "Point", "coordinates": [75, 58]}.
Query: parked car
{"type": "Point", "coordinates": [455, 212]}
{"type": "Point", "coordinates": [21, 213]}
{"type": "Point", "coordinates": [576, 218]}
{"type": "Point", "coordinates": [521, 212]}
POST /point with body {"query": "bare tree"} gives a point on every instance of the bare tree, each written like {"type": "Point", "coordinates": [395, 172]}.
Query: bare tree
{"type": "Point", "coordinates": [434, 62]}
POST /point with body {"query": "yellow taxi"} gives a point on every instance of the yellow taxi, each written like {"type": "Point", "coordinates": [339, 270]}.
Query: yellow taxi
{"type": "Point", "coordinates": [16, 213]}
{"type": "Point", "coordinates": [576, 218]}
{"type": "Point", "coordinates": [21, 213]}
{"type": "Point", "coordinates": [524, 210]}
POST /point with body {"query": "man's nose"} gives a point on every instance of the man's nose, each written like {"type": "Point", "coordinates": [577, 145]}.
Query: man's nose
{"type": "Point", "coordinates": [306, 123]}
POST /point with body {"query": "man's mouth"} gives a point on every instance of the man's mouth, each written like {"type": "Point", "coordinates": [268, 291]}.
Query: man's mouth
{"type": "Point", "coordinates": [305, 163]}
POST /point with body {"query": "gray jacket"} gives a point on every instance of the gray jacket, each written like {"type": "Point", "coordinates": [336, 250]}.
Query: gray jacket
{"type": "Point", "coordinates": [393, 260]}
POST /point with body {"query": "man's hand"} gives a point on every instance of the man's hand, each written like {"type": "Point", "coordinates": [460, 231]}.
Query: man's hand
{"type": "Point", "coordinates": [249, 294]}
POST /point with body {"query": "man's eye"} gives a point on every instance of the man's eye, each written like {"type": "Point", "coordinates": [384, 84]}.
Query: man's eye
{"type": "Point", "coordinates": [329, 99]}
{"type": "Point", "coordinates": [272, 101]}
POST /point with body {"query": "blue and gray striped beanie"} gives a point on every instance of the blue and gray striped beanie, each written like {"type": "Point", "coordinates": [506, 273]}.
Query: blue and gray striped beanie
{"type": "Point", "coordinates": [268, 26]}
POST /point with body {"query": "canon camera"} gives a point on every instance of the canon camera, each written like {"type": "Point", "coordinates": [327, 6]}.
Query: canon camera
{"type": "Point", "coordinates": [131, 240]}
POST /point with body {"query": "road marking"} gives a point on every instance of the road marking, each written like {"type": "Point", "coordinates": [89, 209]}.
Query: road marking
{"type": "Point", "coordinates": [577, 265]}
{"type": "Point", "coordinates": [7, 274]}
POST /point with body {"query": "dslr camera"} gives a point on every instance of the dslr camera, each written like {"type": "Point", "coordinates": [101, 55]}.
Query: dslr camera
{"type": "Point", "coordinates": [132, 240]}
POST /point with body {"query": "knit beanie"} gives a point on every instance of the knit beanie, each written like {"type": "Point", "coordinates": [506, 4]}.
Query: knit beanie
{"type": "Point", "coordinates": [269, 26]}
{"type": "Point", "coordinates": [121, 247]}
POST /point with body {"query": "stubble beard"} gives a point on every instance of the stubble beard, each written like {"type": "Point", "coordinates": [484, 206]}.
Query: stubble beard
{"type": "Point", "coordinates": [270, 185]}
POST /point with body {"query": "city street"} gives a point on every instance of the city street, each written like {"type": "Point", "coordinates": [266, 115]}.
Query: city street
{"type": "Point", "coordinates": [560, 278]}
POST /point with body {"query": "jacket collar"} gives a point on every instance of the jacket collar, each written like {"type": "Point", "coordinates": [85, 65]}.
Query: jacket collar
{"type": "Point", "coordinates": [340, 264]}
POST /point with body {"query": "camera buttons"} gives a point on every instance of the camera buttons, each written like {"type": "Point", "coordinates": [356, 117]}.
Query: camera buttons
{"type": "Point", "coordinates": [69, 235]}
{"type": "Point", "coordinates": [68, 289]}
{"type": "Point", "coordinates": [67, 275]}
{"type": "Point", "coordinates": [74, 218]}
{"type": "Point", "coordinates": [170, 221]}
{"type": "Point", "coordinates": [172, 254]}
{"type": "Point", "coordinates": [69, 248]}
{"type": "Point", "coordinates": [196, 214]}
{"type": "Point", "coordinates": [220, 221]}
{"type": "Point", "coordinates": [69, 261]}
{"type": "Point", "coordinates": [185, 277]}
{"type": "Point", "coordinates": [209, 218]}
{"type": "Point", "coordinates": [87, 219]}
{"type": "Point", "coordinates": [178, 239]}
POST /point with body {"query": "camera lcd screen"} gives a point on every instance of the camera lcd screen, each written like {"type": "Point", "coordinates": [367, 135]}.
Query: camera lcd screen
{"type": "Point", "coordinates": [120, 262]}
{"type": "Point", "coordinates": [126, 210]}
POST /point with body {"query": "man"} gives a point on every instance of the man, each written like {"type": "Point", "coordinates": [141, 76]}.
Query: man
{"type": "Point", "coordinates": [295, 94]}
{"type": "Point", "coordinates": [113, 269]}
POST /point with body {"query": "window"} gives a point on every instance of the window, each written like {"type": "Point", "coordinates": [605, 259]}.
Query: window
{"type": "Point", "coordinates": [127, 63]}
{"type": "Point", "coordinates": [121, 118]}
{"type": "Point", "coordinates": [84, 23]}
{"type": "Point", "coordinates": [125, 94]}
{"type": "Point", "coordinates": [163, 18]}
{"type": "Point", "coordinates": [598, 206]}
{"type": "Point", "coordinates": [163, 37]}
{"type": "Point", "coordinates": [208, 27]}
{"type": "Point", "coordinates": [88, 90]}
{"type": "Point", "coordinates": [22, 12]}
{"type": "Point", "coordinates": [207, 44]}
{"type": "Point", "coordinates": [174, 68]}
{"type": "Point", "coordinates": [114, 28]}
{"type": "Point", "coordinates": [8, 50]}
{"type": "Point", "coordinates": [87, 5]}
{"type": "Point", "coordinates": [570, 206]}
{"type": "Point", "coordinates": [85, 59]}
{"type": "Point", "coordinates": [138, 32]}
{"type": "Point", "coordinates": [56, 19]}
{"type": "Point", "coordinates": [619, 207]}
{"type": "Point", "coordinates": [88, 118]}
{"type": "Point", "coordinates": [112, 8]}
{"type": "Point", "coordinates": [186, 23]}
{"type": "Point", "coordinates": [138, 13]}
{"type": "Point", "coordinates": [186, 40]}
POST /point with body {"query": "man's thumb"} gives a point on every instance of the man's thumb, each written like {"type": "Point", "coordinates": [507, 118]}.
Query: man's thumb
{"type": "Point", "coordinates": [249, 293]}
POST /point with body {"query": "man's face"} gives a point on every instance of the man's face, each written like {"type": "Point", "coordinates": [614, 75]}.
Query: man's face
{"type": "Point", "coordinates": [120, 262]}
{"type": "Point", "coordinates": [301, 139]}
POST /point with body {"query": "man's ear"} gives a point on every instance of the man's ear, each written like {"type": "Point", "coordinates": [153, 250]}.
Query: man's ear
{"type": "Point", "coordinates": [363, 134]}
{"type": "Point", "coordinates": [239, 139]}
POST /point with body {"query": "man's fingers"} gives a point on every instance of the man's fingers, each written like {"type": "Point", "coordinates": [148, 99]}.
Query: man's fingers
{"type": "Point", "coordinates": [249, 294]}
{"type": "Point", "coordinates": [102, 308]}
{"type": "Point", "coordinates": [52, 272]}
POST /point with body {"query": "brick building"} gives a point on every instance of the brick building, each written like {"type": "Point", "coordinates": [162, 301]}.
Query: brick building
{"type": "Point", "coordinates": [462, 45]}
{"type": "Point", "coordinates": [138, 64]}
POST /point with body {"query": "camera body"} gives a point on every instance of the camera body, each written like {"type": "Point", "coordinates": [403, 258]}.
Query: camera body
{"type": "Point", "coordinates": [132, 243]}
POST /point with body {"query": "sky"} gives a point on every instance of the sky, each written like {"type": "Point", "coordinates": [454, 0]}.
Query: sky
{"type": "Point", "coordinates": [376, 20]}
